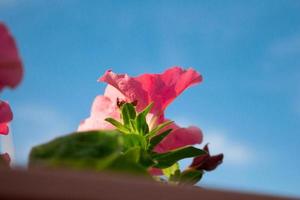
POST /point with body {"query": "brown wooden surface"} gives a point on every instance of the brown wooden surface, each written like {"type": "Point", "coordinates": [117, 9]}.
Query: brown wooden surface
{"type": "Point", "coordinates": [49, 184]}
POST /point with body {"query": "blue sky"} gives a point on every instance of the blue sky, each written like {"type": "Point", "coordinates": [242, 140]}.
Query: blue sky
{"type": "Point", "coordinates": [248, 52]}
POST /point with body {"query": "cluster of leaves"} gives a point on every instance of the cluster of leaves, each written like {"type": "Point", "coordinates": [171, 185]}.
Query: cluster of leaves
{"type": "Point", "coordinates": [130, 148]}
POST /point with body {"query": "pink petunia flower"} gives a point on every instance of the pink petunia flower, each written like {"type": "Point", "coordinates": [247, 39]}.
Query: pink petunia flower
{"type": "Point", "coordinates": [161, 89]}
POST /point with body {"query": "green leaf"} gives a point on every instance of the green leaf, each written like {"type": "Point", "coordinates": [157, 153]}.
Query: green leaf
{"type": "Point", "coordinates": [133, 140]}
{"type": "Point", "coordinates": [147, 109]}
{"type": "Point", "coordinates": [95, 150]}
{"type": "Point", "coordinates": [128, 113]}
{"type": "Point", "coordinates": [129, 163]}
{"type": "Point", "coordinates": [141, 123]}
{"type": "Point", "coordinates": [133, 126]}
{"type": "Point", "coordinates": [155, 140]}
{"type": "Point", "coordinates": [171, 170]}
{"type": "Point", "coordinates": [118, 125]}
{"type": "Point", "coordinates": [165, 160]}
{"type": "Point", "coordinates": [190, 177]}
{"type": "Point", "coordinates": [175, 177]}
{"type": "Point", "coordinates": [88, 150]}
{"type": "Point", "coordinates": [158, 128]}
{"type": "Point", "coordinates": [131, 155]}
{"type": "Point", "coordinates": [146, 159]}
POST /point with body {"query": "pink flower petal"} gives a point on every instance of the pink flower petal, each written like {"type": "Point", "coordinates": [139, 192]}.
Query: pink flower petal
{"type": "Point", "coordinates": [113, 94]}
{"type": "Point", "coordinates": [161, 89]}
{"type": "Point", "coordinates": [102, 108]}
{"type": "Point", "coordinates": [5, 117]}
{"type": "Point", "coordinates": [155, 171]}
{"type": "Point", "coordinates": [164, 88]}
{"type": "Point", "coordinates": [5, 112]}
{"type": "Point", "coordinates": [4, 129]}
{"type": "Point", "coordinates": [11, 71]}
{"type": "Point", "coordinates": [179, 137]}
{"type": "Point", "coordinates": [129, 87]}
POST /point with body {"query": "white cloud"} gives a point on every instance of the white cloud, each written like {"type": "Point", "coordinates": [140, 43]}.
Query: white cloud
{"type": "Point", "coordinates": [36, 124]}
{"type": "Point", "coordinates": [235, 152]}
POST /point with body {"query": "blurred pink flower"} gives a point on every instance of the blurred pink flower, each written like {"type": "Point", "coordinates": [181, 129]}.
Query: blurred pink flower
{"type": "Point", "coordinates": [11, 73]}
{"type": "Point", "coordinates": [11, 70]}
{"type": "Point", "coordinates": [161, 89]}
{"type": "Point", "coordinates": [5, 117]}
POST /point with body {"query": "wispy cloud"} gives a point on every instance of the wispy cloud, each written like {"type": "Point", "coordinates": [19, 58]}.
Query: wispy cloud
{"type": "Point", "coordinates": [36, 124]}
{"type": "Point", "coordinates": [236, 152]}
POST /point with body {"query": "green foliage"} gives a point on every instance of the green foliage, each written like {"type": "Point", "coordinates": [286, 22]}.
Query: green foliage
{"type": "Point", "coordinates": [165, 160]}
{"type": "Point", "coordinates": [155, 140]}
{"type": "Point", "coordinates": [128, 113]}
{"type": "Point", "coordinates": [118, 125]}
{"type": "Point", "coordinates": [93, 149]}
{"type": "Point", "coordinates": [175, 177]}
{"type": "Point", "coordinates": [132, 140]}
{"type": "Point", "coordinates": [159, 128]}
{"type": "Point", "coordinates": [136, 123]}
{"type": "Point", "coordinates": [141, 124]}
{"type": "Point", "coordinates": [130, 149]}
{"type": "Point", "coordinates": [190, 177]}
{"type": "Point", "coordinates": [129, 162]}
{"type": "Point", "coordinates": [170, 171]}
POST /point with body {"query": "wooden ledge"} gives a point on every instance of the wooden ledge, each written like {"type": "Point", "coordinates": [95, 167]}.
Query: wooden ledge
{"type": "Point", "coordinates": [61, 184]}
